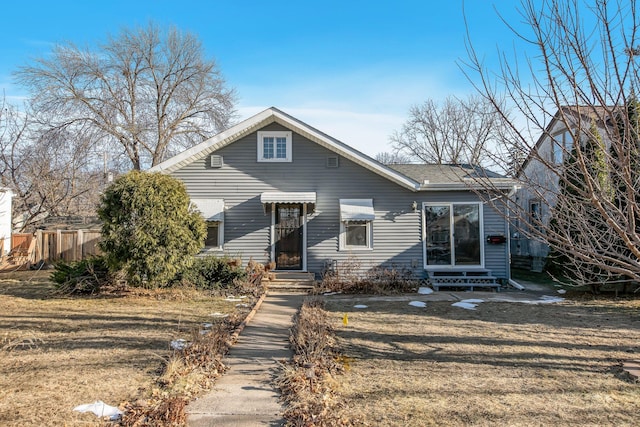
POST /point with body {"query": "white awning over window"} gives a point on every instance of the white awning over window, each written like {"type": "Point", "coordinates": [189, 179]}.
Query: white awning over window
{"type": "Point", "coordinates": [287, 197]}
{"type": "Point", "coordinates": [211, 209]}
{"type": "Point", "coordinates": [357, 210]}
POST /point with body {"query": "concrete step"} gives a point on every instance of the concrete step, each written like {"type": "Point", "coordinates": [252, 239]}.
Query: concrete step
{"type": "Point", "coordinates": [293, 276]}
{"type": "Point", "coordinates": [297, 286]}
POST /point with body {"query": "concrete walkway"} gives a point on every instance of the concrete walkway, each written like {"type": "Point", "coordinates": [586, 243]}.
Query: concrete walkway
{"type": "Point", "coordinates": [245, 395]}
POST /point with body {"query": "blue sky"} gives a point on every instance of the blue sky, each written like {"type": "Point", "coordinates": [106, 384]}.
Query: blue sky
{"type": "Point", "coordinates": [349, 68]}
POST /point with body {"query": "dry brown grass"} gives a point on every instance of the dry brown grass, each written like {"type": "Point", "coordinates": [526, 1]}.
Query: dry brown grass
{"type": "Point", "coordinates": [504, 364]}
{"type": "Point", "coordinates": [58, 352]}
{"type": "Point", "coordinates": [307, 382]}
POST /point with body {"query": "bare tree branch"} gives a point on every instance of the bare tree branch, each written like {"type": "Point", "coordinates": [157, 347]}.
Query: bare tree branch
{"type": "Point", "coordinates": [578, 93]}
{"type": "Point", "coordinates": [149, 92]}
{"type": "Point", "coordinates": [455, 132]}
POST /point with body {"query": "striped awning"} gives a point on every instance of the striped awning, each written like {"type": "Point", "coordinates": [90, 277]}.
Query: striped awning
{"type": "Point", "coordinates": [357, 210]}
{"type": "Point", "coordinates": [287, 197]}
{"type": "Point", "coordinates": [211, 209]}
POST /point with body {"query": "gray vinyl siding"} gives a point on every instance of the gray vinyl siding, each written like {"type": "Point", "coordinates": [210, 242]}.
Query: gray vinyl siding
{"type": "Point", "coordinates": [396, 230]}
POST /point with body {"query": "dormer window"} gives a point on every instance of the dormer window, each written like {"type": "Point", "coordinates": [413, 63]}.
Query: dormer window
{"type": "Point", "coordinates": [274, 146]}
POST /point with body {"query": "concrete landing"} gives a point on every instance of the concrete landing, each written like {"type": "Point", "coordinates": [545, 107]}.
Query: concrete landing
{"type": "Point", "coordinates": [245, 396]}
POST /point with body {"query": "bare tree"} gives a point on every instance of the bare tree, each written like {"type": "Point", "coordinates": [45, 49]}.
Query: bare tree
{"type": "Point", "coordinates": [387, 158]}
{"type": "Point", "coordinates": [50, 172]}
{"type": "Point", "coordinates": [455, 132]}
{"type": "Point", "coordinates": [146, 93]}
{"type": "Point", "coordinates": [581, 79]}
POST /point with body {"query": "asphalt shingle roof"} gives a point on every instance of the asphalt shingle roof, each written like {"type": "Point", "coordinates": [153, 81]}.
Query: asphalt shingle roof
{"type": "Point", "coordinates": [443, 174]}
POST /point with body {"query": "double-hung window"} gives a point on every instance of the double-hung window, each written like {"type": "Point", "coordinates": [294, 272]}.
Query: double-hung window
{"type": "Point", "coordinates": [274, 146]}
{"type": "Point", "coordinates": [356, 224]}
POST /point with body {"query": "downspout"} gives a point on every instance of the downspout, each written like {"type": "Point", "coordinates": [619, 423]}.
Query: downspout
{"type": "Point", "coordinates": [511, 282]}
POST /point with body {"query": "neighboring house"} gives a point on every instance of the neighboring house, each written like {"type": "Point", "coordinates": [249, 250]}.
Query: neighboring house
{"type": "Point", "coordinates": [5, 220]}
{"type": "Point", "coordinates": [540, 174]}
{"type": "Point", "coordinates": [273, 188]}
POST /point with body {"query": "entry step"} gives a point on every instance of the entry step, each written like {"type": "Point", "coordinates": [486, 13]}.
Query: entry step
{"type": "Point", "coordinates": [292, 276]}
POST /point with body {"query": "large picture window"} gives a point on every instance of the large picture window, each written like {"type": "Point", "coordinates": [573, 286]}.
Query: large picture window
{"type": "Point", "coordinates": [453, 234]}
{"type": "Point", "coordinates": [274, 146]}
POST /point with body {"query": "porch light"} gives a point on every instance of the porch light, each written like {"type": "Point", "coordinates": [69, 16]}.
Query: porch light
{"type": "Point", "coordinates": [414, 206]}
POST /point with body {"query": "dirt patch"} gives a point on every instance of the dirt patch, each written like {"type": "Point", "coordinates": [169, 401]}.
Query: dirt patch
{"type": "Point", "coordinates": [57, 352]}
{"type": "Point", "coordinates": [504, 363]}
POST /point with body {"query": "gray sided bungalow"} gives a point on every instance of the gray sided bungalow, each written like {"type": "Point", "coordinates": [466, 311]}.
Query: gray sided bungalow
{"type": "Point", "coordinates": [273, 188]}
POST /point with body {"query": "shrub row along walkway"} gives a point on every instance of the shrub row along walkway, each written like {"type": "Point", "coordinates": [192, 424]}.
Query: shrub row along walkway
{"type": "Point", "coordinates": [245, 395]}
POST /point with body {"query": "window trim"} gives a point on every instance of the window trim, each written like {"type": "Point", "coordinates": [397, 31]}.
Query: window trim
{"type": "Point", "coordinates": [343, 236]}
{"type": "Point", "coordinates": [288, 135]}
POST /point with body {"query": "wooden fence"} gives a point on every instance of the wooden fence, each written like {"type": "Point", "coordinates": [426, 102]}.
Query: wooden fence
{"type": "Point", "coordinates": [55, 245]}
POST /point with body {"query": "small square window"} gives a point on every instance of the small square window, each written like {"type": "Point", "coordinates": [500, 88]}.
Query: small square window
{"type": "Point", "coordinates": [274, 146]}
{"type": "Point", "coordinates": [356, 235]}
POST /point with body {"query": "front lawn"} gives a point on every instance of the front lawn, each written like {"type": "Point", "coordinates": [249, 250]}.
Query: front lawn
{"type": "Point", "coordinates": [58, 352]}
{"type": "Point", "coordinates": [502, 364]}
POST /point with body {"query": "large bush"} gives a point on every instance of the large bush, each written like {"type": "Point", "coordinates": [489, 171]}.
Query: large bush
{"type": "Point", "coordinates": [149, 229]}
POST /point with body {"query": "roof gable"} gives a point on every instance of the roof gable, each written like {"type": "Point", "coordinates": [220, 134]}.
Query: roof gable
{"type": "Point", "coordinates": [273, 115]}
{"type": "Point", "coordinates": [569, 113]}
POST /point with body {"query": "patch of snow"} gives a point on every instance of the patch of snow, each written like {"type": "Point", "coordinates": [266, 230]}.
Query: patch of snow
{"type": "Point", "coordinates": [420, 304]}
{"type": "Point", "coordinates": [243, 305]}
{"type": "Point", "coordinates": [218, 314]}
{"type": "Point", "coordinates": [562, 291]}
{"type": "Point", "coordinates": [232, 299]}
{"type": "Point", "coordinates": [101, 409]}
{"type": "Point", "coordinates": [473, 301]}
{"type": "Point", "coordinates": [424, 290]}
{"type": "Point", "coordinates": [207, 325]}
{"type": "Point", "coordinates": [179, 344]}
{"type": "Point", "coordinates": [331, 293]}
{"type": "Point", "coordinates": [360, 306]}
{"type": "Point", "coordinates": [545, 299]}
{"type": "Point", "coordinates": [464, 304]}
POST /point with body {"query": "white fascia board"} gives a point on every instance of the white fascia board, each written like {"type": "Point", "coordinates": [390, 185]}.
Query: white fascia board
{"type": "Point", "coordinates": [475, 185]}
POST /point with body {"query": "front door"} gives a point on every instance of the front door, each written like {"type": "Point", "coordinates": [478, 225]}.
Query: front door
{"type": "Point", "coordinates": [288, 236]}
